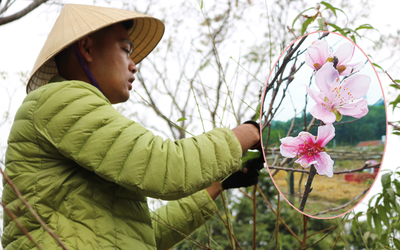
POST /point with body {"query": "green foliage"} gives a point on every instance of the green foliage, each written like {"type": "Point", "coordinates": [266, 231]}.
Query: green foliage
{"type": "Point", "coordinates": [333, 9]}
{"type": "Point", "coordinates": [383, 216]}
{"type": "Point", "coordinates": [370, 127]}
{"type": "Point", "coordinates": [345, 31]}
{"type": "Point", "coordinates": [300, 14]}
{"type": "Point", "coordinates": [215, 235]}
{"type": "Point", "coordinates": [376, 65]}
{"type": "Point", "coordinates": [305, 24]}
{"type": "Point", "coordinates": [350, 33]}
{"type": "Point", "coordinates": [395, 103]}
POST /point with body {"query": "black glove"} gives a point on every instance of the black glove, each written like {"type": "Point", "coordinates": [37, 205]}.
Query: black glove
{"type": "Point", "coordinates": [254, 163]}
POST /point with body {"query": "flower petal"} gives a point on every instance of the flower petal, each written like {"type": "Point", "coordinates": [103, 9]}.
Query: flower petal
{"type": "Point", "coordinates": [318, 52]}
{"type": "Point", "coordinates": [318, 97]}
{"type": "Point", "coordinates": [325, 134]}
{"type": "Point", "coordinates": [357, 109]}
{"type": "Point", "coordinates": [356, 85]}
{"type": "Point", "coordinates": [326, 78]}
{"type": "Point", "coordinates": [322, 113]}
{"type": "Point", "coordinates": [306, 137]}
{"type": "Point", "coordinates": [289, 146]}
{"type": "Point", "coordinates": [344, 53]}
{"type": "Point", "coordinates": [324, 164]}
{"type": "Point", "coordinates": [305, 162]}
{"type": "Point", "coordinates": [352, 68]}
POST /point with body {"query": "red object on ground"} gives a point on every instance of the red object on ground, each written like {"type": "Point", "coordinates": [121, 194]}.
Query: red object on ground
{"type": "Point", "coordinates": [359, 177]}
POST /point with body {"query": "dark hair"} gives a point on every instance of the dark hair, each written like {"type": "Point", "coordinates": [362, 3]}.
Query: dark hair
{"type": "Point", "coordinates": [127, 24]}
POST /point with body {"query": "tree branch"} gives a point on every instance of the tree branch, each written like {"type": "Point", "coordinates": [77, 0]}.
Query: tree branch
{"type": "Point", "coordinates": [344, 205]}
{"type": "Point", "coordinates": [18, 15]}
{"type": "Point", "coordinates": [38, 218]}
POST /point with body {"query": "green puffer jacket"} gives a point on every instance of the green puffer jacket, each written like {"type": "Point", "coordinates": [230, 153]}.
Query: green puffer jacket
{"type": "Point", "coordinates": [86, 170]}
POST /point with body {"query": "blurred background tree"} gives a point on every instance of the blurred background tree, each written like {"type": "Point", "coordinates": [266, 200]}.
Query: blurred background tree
{"type": "Point", "coordinates": [210, 70]}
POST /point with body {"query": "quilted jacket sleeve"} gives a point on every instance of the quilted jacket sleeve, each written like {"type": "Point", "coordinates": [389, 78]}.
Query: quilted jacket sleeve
{"type": "Point", "coordinates": [178, 219]}
{"type": "Point", "coordinates": [75, 120]}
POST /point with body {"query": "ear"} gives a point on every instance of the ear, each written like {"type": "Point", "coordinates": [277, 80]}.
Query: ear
{"type": "Point", "coordinates": [85, 47]}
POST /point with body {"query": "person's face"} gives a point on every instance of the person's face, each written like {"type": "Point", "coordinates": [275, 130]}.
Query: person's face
{"type": "Point", "coordinates": [111, 64]}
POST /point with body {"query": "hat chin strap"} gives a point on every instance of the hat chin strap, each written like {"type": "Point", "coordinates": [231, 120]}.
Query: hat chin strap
{"type": "Point", "coordinates": [84, 66]}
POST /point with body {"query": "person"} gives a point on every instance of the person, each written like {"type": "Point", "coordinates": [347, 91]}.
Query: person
{"type": "Point", "coordinates": [86, 169]}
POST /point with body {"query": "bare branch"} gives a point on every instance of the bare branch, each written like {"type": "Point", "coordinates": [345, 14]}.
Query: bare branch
{"type": "Point", "coordinates": [6, 6]}
{"type": "Point", "coordinates": [366, 166]}
{"type": "Point", "coordinates": [19, 225]}
{"type": "Point", "coordinates": [280, 218]}
{"type": "Point", "coordinates": [38, 218]}
{"type": "Point", "coordinates": [344, 205]}
{"type": "Point", "coordinates": [18, 15]}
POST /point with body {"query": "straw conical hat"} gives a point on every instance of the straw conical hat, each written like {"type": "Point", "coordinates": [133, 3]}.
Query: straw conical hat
{"type": "Point", "coordinates": [77, 21]}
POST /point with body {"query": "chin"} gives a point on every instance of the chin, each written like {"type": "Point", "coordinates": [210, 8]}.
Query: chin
{"type": "Point", "coordinates": [120, 100]}
{"type": "Point", "coordinates": [125, 98]}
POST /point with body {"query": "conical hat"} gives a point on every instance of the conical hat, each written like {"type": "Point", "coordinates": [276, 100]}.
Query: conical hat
{"type": "Point", "coordinates": [77, 21]}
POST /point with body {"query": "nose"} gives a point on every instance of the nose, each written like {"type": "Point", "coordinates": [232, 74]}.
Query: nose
{"type": "Point", "coordinates": [132, 67]}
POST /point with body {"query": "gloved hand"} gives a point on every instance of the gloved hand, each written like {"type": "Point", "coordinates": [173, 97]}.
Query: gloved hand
{"type": "Point", "coordinates": [252, 163]}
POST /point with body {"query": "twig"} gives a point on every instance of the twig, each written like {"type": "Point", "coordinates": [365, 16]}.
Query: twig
{"type": "Point", "coordinates": [359, 228]}
{"type": "Point", "coordinates": [223, 221]}
{"type": "Point", "coordinates": [162, 115]}
{"type": "Point", "coordinates": [18, 15]}
{"type": "Point", "coordinates": [254, 218]}
{"type": "Point", "coordinates": [280, 218]}
{"type": "Point", "coordinates": [328, 233]}
{"type": "Point", "coordinates": [337, 238]}
{"type": "Point", "coordinates": [198, 109]}
{"type": "Point", "coordinates": [195, 241]}
{"type": "Point", "coordinates": [344, 205]}
{"type": "Point", "coordinates": [398, 85]}
{"type": "Point", "coordinates": [303, 242]}
{"type": "Point", "coordinates": [231, 235]}
{"type": "Point", "coordinates": [277, 222]}
{"type": "Point", "coordinates": [291, 31]}
{"type": "Point", "coordinates": [324, 35]}
{"type": "Point", "coordinates": [323, 230]}
{"type": "Point", "coordinates": [308, 188]}
{"type": "Point", "coordinates": [366, 166]}
{"type": "Point", "coordinates": [245, 194]}
{"type": "Point", "coordinates": [280, 71]}
{"type": "Point", "coordinates": [311, 124]}
{"type": "Point", "coordinates": [20, 226]}
{"type": "Point", "coordinates": [216, 54]}
{"type": "Point", "coordinates": [395, 127]}
{"type": "Point", "coordinates": [300, 181]}
{"type": "Point", "coordinates": [291, 125]}
{"type": "Point", "coordinates": [42, 223]}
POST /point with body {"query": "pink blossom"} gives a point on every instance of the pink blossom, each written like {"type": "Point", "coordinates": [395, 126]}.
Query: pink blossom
{"type": "Point", "coordinates": [337, 99]}
{"type": "Point", "coordinates": [311, 149]}
{"type": "Point", "coordinates": [318, 54]}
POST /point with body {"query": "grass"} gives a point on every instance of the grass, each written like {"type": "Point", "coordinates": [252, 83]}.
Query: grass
{"type": "Point", "coordinates": [327, 192]}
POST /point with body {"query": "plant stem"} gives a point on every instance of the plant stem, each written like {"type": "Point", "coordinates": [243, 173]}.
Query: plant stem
{"type": "Point", "coordinates": [38, 218]}
{"type": "Point", "coordinates": [228, 221]}
{"type": "Point", "coordinates": [279, 218]}
{"type": "Point", "coordinates": [254, 218]}
{"type": "Point", "coordinates": [223, 221]}
{"type": "Point", "coordinates": [303, 243]}
{"type": "Point", "coordinates": [308, 188]}
{"type": "Point", "coordinates": [277, 222]}
{"type": "Point", "coordinates": [20, 226]}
